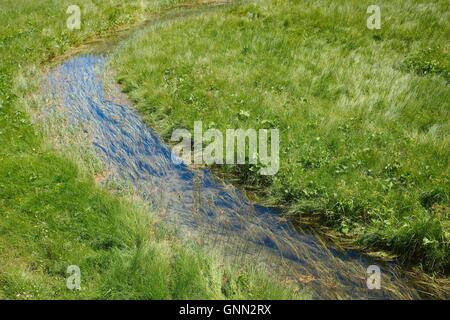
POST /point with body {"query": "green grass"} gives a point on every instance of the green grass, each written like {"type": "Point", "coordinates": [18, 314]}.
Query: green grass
{"type": "Point", "coordinates": [51, 221]}
{"type": "Point", "coordinates": [363, 114]}
{"type": "Point", "coordinates": [53, 215]}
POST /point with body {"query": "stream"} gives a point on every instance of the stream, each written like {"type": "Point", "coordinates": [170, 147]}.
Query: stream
{"type": "Point", "coordinates": [194, 202]}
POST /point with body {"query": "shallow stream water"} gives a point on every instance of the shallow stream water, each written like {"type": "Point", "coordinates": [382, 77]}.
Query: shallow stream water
{"type": "Point", "coordinates": [194, 202]}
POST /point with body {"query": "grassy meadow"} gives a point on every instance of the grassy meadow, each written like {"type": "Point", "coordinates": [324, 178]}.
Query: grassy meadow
{"type": "Point", "coordinates": [363, 114]}
{"type": "Point", "coordinates": [52, 214]}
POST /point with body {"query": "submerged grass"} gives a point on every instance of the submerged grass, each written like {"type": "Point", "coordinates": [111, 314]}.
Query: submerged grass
{"type": "Point", "coordinates": [363, 114]}
{"type": "Point", "coordinates": [52, 214]}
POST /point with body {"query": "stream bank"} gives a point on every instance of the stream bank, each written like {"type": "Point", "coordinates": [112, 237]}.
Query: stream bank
{"type": "Point", "coordinates": [194, 202]}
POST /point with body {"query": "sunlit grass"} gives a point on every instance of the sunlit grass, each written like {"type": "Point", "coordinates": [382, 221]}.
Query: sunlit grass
{"type": "Point", "coordinates": [53, 215]}
{"type": "Point", "coordinates": [363, 114]}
